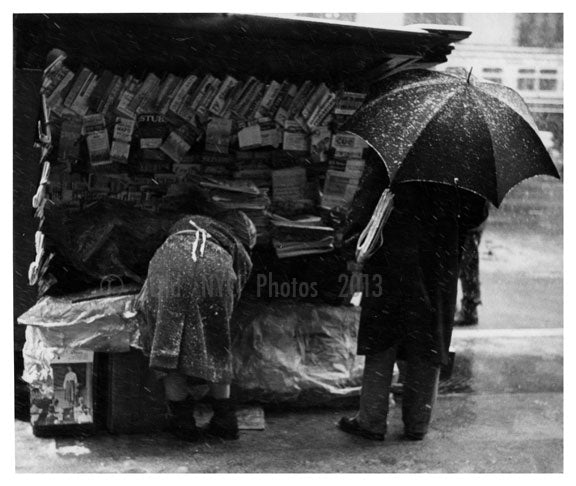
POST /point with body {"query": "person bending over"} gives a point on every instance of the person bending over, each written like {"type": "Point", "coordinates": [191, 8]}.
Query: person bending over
{"type": "Point", "coordinates": [194, 282]}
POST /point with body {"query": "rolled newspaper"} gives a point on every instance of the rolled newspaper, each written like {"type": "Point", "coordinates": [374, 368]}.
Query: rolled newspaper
{"type": "Point", "coordinates": [371, 240]}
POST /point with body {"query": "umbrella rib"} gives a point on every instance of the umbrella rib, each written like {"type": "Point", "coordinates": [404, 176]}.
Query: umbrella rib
{"type": "Point", "coordinates": [434, 114]}
{"type": "Point", "coordinates": [411, 86]}
{"type": "Point", "coordinates": [450, 184]}
{"type": "Point", "coordinates": [478, 101]}
{"type": "Point", "coordinates": [522, 119]}
{"type": "Point", "coordinates": [504, 94]}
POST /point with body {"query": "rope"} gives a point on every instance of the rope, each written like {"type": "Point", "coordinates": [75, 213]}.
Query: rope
{"type": "Point", "coordinates": [199, 233]}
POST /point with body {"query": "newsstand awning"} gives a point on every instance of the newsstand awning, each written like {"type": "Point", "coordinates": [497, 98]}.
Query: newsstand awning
{"type": "Point", "coordinates": [297, 49]}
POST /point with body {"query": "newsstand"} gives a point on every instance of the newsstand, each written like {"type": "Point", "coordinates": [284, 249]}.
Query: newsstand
{"type": "Point", "coordinates": [120, 121]}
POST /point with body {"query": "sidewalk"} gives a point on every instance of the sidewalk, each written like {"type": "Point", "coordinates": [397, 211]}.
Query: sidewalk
{"type": "Point", "coordinates": [501, 412]}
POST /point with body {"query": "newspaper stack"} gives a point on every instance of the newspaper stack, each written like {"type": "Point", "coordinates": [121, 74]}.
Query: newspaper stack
{"type": "Point", "coordinates": [244, 196]}
{"type": "Point", "coordinates": [305, 236]}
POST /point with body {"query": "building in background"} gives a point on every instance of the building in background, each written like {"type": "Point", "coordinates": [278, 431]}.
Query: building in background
{"type": "Point", "coordinates": [521, 50]}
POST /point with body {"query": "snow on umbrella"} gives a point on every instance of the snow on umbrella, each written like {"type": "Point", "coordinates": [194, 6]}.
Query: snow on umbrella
{"type": "Point", "coordinates": [434, 127]}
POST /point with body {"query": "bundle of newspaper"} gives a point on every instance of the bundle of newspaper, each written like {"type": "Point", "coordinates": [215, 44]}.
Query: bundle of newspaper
{"type": "Point", "coordinates": [244, 196]}
{"type": "Point", "coordinates": [303, 236]}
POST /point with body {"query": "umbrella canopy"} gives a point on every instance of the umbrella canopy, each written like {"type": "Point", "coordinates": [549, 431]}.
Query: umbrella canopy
{"type": "Point", "coordinates": [434, 127]}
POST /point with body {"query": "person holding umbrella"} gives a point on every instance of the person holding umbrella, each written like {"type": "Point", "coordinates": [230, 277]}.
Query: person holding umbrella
{"type": "Point", "coordinates": [448, 144]}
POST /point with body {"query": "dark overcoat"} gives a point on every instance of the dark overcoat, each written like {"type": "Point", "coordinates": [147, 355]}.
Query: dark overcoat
{"type": "Point", "coordinates": [411, 281]}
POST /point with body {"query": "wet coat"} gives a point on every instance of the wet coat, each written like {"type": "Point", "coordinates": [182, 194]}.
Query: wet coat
{"type": "Point", "coordinates": [188, 298]}
{"type": "Point", "coordinates": [411, 281]}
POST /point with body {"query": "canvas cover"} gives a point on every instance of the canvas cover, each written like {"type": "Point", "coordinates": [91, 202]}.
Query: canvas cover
{"type": "Point", "coordinates": [284, 350]}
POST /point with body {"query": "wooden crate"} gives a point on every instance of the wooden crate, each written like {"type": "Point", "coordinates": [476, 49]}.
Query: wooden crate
{"type": "Point", "coordinates": [135, 401]}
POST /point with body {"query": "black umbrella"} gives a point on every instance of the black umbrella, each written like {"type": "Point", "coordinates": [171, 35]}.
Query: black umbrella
{"type": "Point", "coordinates": [434, 127]}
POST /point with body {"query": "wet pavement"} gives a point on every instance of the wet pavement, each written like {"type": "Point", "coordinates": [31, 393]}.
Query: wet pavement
{"type": "Point", "coordinates": [501, 412]}
{"type": "Point", "coordinates": [494, 433]}
{"type": "Point", "coordinates": [521, 259]}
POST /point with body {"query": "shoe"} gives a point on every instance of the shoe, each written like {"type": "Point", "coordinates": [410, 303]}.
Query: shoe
{"type": "Point", "coordinates": [351, 426]}
{"type": "Point", "coordinates": [466, 317]}
{"type": "Point", "coordinates": [224, 422]}
{"type": "Point", "coordinates": [414, 435]}
{"type": "Point", "coordinates": [181, 421]}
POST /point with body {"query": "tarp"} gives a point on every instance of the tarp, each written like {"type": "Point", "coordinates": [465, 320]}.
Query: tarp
{"type": "Point", "coordinates": [283, 351]}
{"type": "Point", "coordinates": [103, 325]}
{"type": "Point", "coordinates": [295, 351]}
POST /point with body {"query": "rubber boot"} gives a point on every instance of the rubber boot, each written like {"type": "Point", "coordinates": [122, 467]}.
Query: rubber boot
{"type": "Point", "coordinates": [224, 422]}
{"type": "Point", "coordinates": [181, 421]}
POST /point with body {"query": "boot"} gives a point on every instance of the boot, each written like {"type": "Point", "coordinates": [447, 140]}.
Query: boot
{"type": "Point", "coordinates": [466, 316]}
{"type": "Point", "coordinates": [181, 421]}
{"type": "Point", "coordinates": [224, 423]}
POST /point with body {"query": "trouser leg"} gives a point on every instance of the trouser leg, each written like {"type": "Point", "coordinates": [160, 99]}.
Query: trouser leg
{"type": "Point", "coordinates": [420, 391]}
{"type": "Point", "coordinates": [470, 272]}
{"type": "Point", "coordinates": [375, 394]}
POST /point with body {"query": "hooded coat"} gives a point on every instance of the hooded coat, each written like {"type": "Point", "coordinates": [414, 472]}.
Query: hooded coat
{"type": "Point", "coordinates": [194, 281]}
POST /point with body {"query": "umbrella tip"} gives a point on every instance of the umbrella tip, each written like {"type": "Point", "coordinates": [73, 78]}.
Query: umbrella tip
{"type": "Point", "coordinates": [469, 74]}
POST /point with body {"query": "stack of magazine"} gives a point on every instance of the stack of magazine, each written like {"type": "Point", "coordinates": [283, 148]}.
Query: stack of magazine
{"type": "Point", "coordinates": [141, 138]}
{"type": "Point", "coordinates": [304, 236]}
{"type": "Point", "coordinates": [244, 196]}
{"type": "Point", "coordinates": [178, 111]}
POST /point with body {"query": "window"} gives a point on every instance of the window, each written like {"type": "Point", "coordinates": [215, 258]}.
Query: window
{"type": "Point", "coordinates": [527, 80]}
{"type": "Point", "coordinates": [548, 84]}
{"type": "Point", "coordinates": [542, 80]}
{"type": "Point", "coordinates": [433, 18]}
{"type": "Point", "coordinates": [526, 84]}
{"type": "Point", "coordinates": [548, 80]}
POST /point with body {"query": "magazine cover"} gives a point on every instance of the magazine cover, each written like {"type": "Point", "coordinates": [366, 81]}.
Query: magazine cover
{"type": "Point", "coordinates": [72, 398]}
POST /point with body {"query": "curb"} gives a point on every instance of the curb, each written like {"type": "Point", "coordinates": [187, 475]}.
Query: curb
{"type": "Point", "coordinates": [506, 361]}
